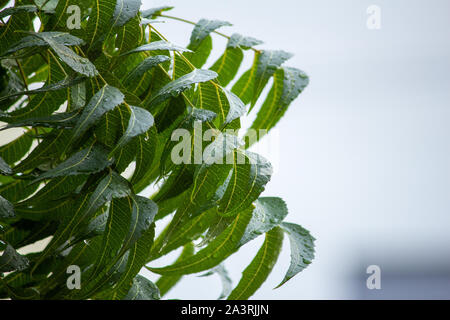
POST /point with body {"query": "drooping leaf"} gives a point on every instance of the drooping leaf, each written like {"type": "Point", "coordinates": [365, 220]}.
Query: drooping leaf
{"type": "Point", "coordinates": [269, 212]}
{"type": "Point", "coordinates": [260, 267]}
{"type": "Point", "coordinates": [217, 250]}
{"type": "Point", "coordinates": [143, 289]}
{"type": "Point", "coordinates": [239, 41]}
{"type": "Point", "coordinates": [154, 12]}
{"type": "Point", "coordinates": [103, 101]}
{"type": "Point", "coordinates": [140, 121]}
{"type": "Point", "coordinates": [77, 63]}
{"type": "Point", "coordinates": [181, 84]}
{"type": "Point", "coordinates": [268, 63]}
{"type": "Point", "coordinates": [202, 29]}
{"type": "Point", "coordinates": [11, 260]}
{"type": "Point", "coordinates": [57, 120]}
{"type": "Point", "coordinates": [250, 174]}
{"type": "Point", "coordinates": [228, 64]}
{"type": "Point", "coordinates": [16, 149]}
{"type": "Point", "coordinates": [157, 46]}
{"type": "Point", "coordinates": [5, 169]}
{"type": "Point", "coordinates": [124, 11]}
{"type": "Point", "coordinates": [135, 75]}
{"type": "Point", "coordinates": [201, 42]}
{"type": "Point", "coordinates": [100, 23]}
{"type": "Point", "coordinates": [6, 208]}
{"type": "Point", "coordinates": [302, 249]}
{"type": "Point", "coordinates": [13, 10]}
{"type": "Point", "coordinates": [287, 85]}
{"type": "Point", "coordinates": [62, 38]}
{"type": "Point", "coordinates": [67, 82]}
{"type": "Point", "coordinates": [87, 161]}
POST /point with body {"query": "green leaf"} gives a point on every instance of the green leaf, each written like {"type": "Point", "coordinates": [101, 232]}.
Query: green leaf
{"type": "Point", "coordinates": [103, 101]}
{"type": "Point", "coordinates": [142, 289]}
{"type": "Point", "coordinates": [11, 260]}
{"type": "Point", "coordinates": [269, 212]}
{"type": "Point", "coordinates": [201, 42]}
{"type": "Point", "coordinates": [218, 250]}
{"type": "Point", "coordinates": [287, 85]}
{"type": "Point", "coordinates": [268, 63]}
{"type": "Point", "coordinates": [202, 29]}
{"type": "Point", "coordinates": [44, 103]}
{"type": "Point", "coordinates": [6, 208]}
{"type": "Point", "coordinates": [239, 41]}
{"type": "Point", "coordinates": [155, 12]}
{"type": "Point", "coordinates": [111, 186]}
{"type": "Point", "coordinates": [65, 83]}
{"type": "Point", "coordinates": [135, 75]}
{"type": "Point", "coordinates": [4, 168]}
{"type": "Point", "coordinates": [77, 63]}
{"type": "Point", "coordinates": [48, 151]}
{"type": "Point", "coordinates": [244, 86]}
{"type": "Point", "coordinates": [20, 20]}
{"type": "Point", "coordinates": [13, 10]}
{"type": "Point", "coordinates": [250, 174]}
{"type": "Point", "coordinates": [62, 38]}
{"type": "Point", "coordinates": [144, 211]}
{"type": "Point", "coordinates": [57, 120]}
{"type": "Point", "coordinates": [184, 234]}
{"type": "Point", "coordinates": [302, 249]}
{"type": "Point", "coordinates": [228, 64]}
{"type": "Point", "coordinates": [140, 121]}
{"type": "Point", "coordinates": [181, 84]}
{"type": "Point", "coordinates": [260, 267]}
{"type": "Point", "coordinates": [99, 25]}
{"type": "Point", "coordinates": [124, 11]}
{"type": "Point", "coordinates": [157, 46]}
{"type": "Point", "coordinates": [90, 160]}
{"type": "Point", "coordinates": [146, 145]}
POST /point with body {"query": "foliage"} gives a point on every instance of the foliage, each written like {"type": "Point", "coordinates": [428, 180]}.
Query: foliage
{"type": "Point", "coordinates": [97, 107]}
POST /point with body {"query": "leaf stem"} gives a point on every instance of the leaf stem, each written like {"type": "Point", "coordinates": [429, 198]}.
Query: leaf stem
{"type": "Point", "coordinates": [193, 23]}
{"type": "Point", "coordinates": [22, 74]}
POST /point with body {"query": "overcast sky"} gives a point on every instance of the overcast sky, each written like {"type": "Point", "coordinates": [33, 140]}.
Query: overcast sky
{"type": "Point", "coordinates": [363, 158]}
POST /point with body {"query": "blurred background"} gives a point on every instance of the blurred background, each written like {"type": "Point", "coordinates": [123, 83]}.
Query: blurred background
{"type": "Point", "coordinates": [361, 158]}
{"type": "Point", "coordinates": [362, 155]}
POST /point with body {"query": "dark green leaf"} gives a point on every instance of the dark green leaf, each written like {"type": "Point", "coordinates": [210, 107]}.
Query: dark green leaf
{"type": "Point", "coordinates": [124, 11]}
{"type": "Point", "coordinates": [103, 101]}
{"type": "Point", "coordinates": [4, 168]}
{"type": "Point", "coordinates": [157, 46]}
{"type": "Point", "coordinates": [140, 121]}
{"type": "Point", "coordinates": [260, 267]}
{"type": "Point", "coordinates": [181, 84]}
{"type": "Point", "coordinates": [143, 289]}
{"type": "Point", "coordinates": [302, 249]}
{"type": "Point", "coordinates": [90, 160]}
{"type": "Point", "coordinates": [6, 208]}
{"type": "Point", "coordinates": [268, 63]}
{"type": "Point", "coordinates": [202, 29]}
{"type": "Point", "coordinates": [269, 212]}
{"type": "Point", "coordinates": [212, 255]}
{"type": "Point", "coordinates": [11, 260]}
